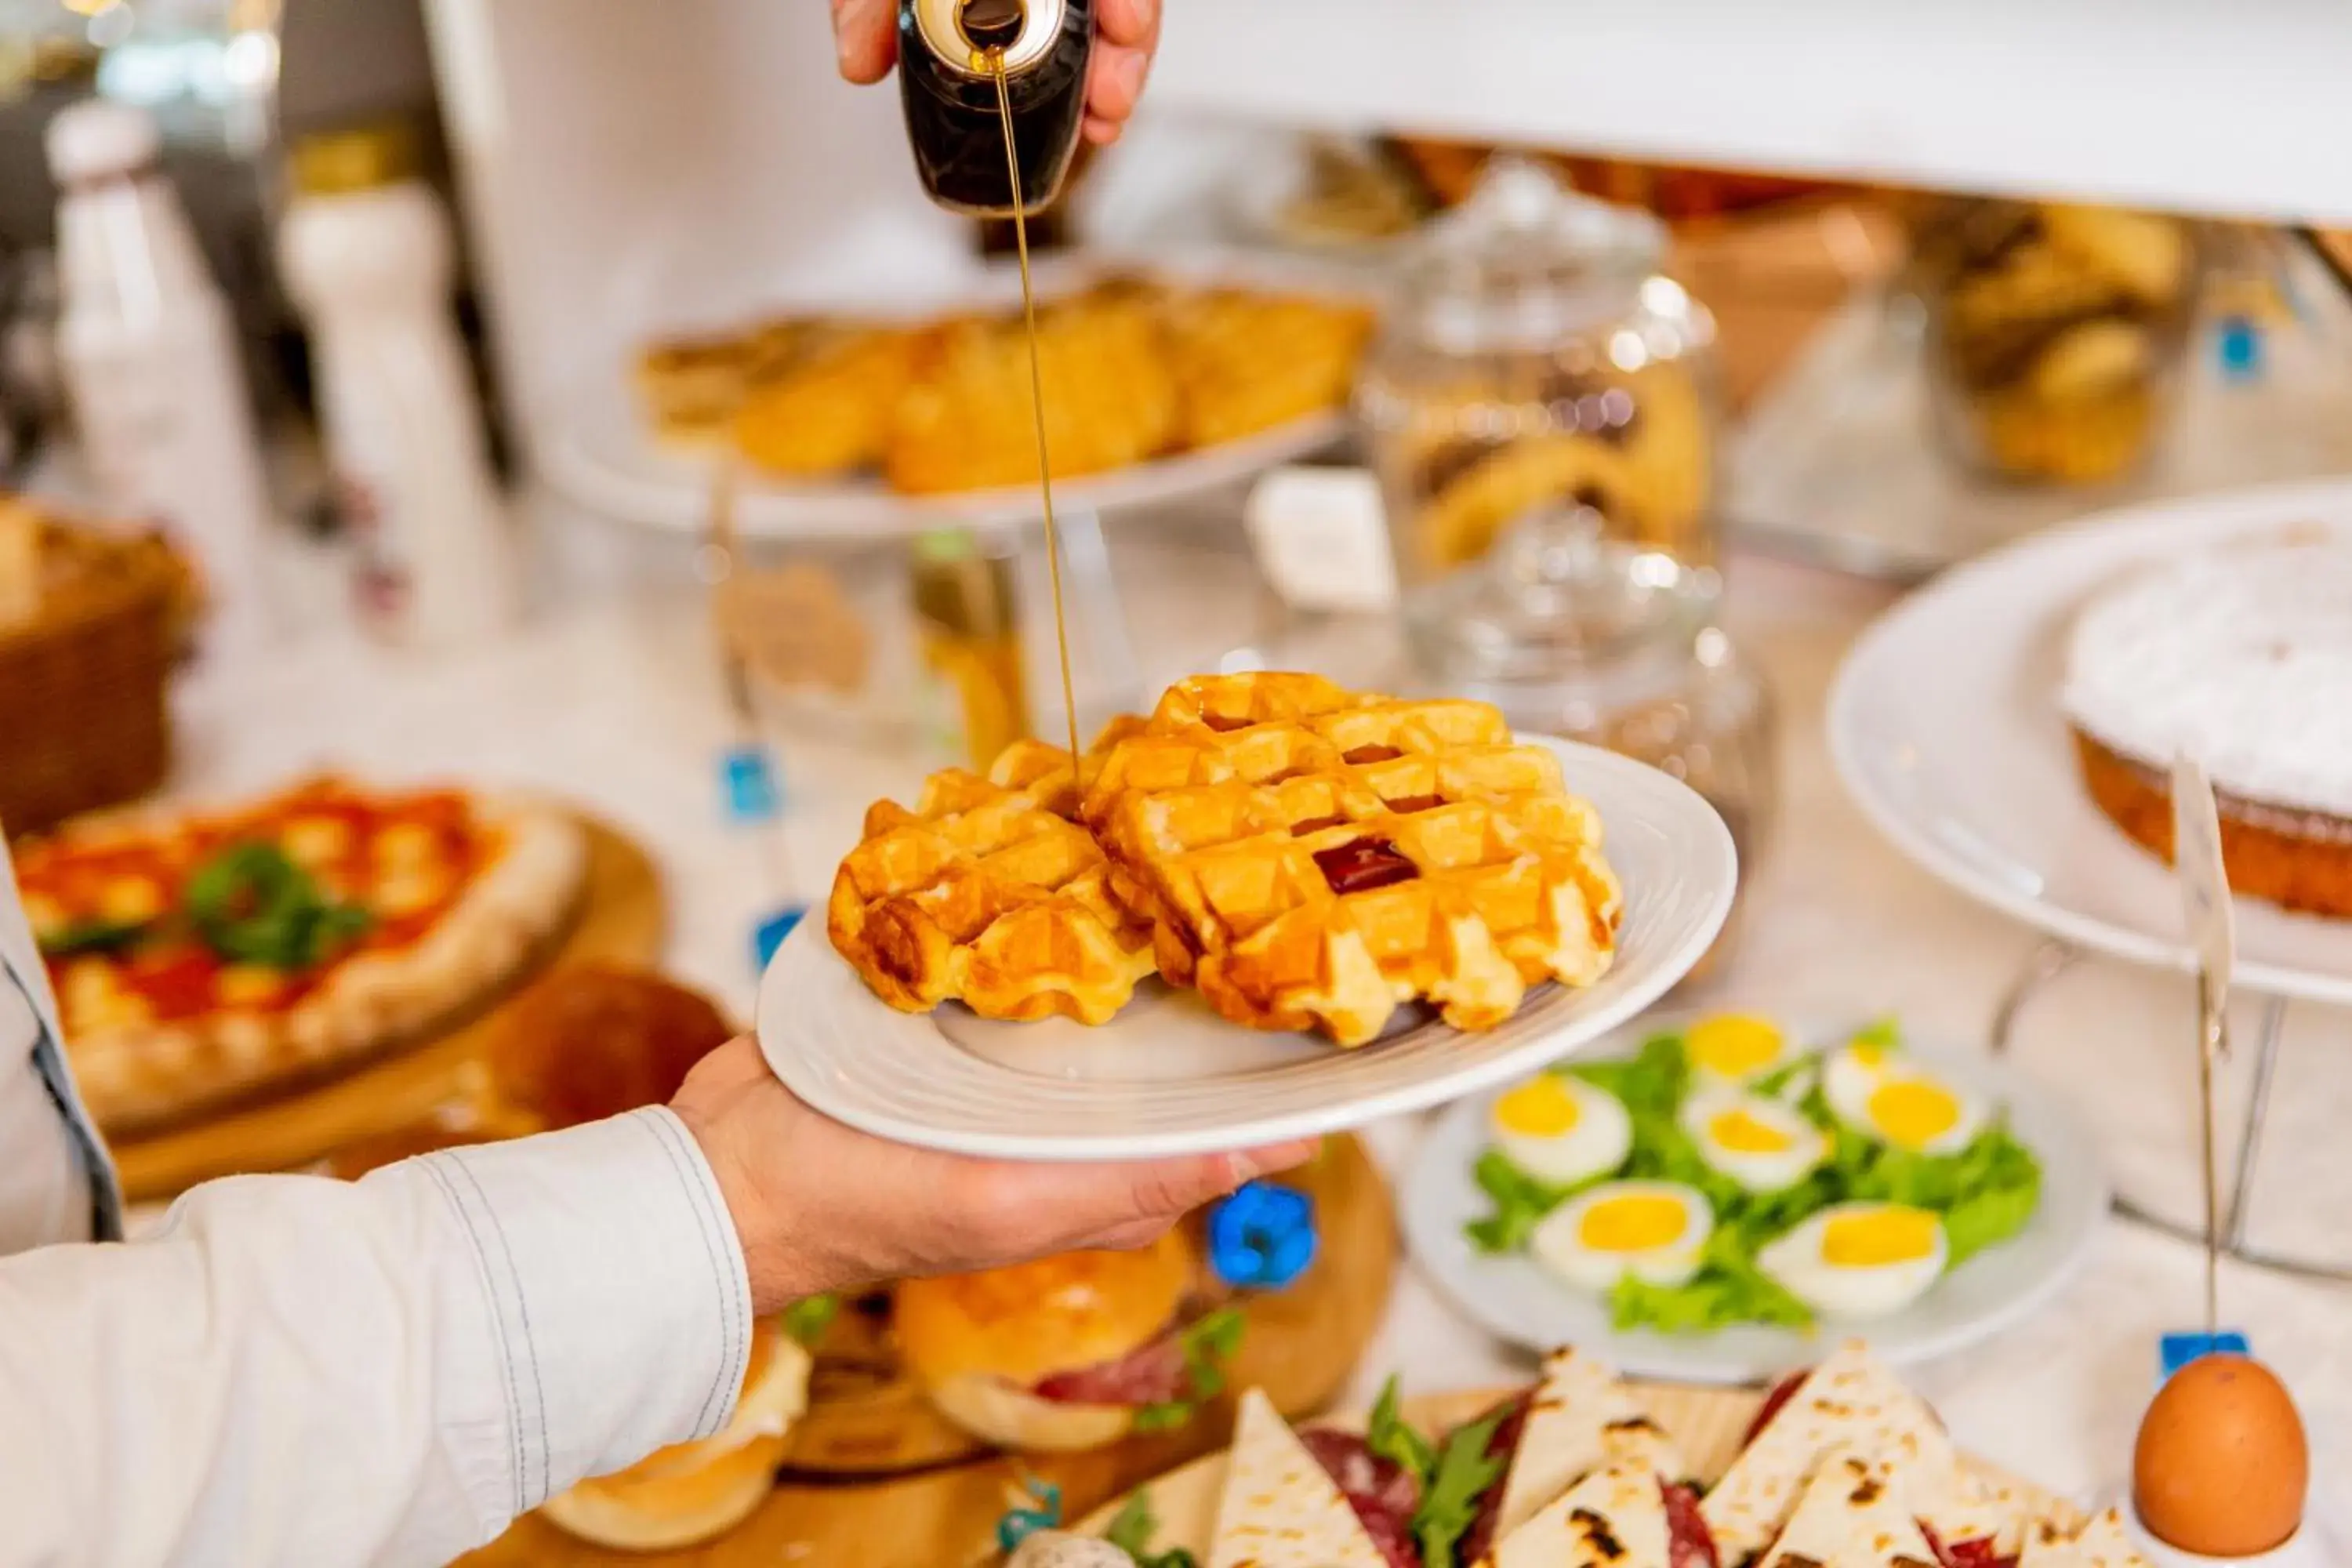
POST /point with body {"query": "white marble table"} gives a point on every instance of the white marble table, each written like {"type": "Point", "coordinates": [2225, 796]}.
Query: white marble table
{"type": "Point", "coordinates": [613, 700]}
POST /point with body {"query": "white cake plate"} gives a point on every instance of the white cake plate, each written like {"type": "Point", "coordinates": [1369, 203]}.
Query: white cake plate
{"type": "Point", "coordinates": [1168, 1077]}
{"type": "Point", "coordinates": [1945, 727]}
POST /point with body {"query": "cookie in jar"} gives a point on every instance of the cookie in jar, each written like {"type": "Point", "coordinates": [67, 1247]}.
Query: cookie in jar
{"type": "Point", "coordinates": [1538, 355]}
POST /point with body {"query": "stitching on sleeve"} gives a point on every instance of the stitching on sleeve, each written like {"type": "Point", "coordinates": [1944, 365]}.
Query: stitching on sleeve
{"type": "Point", "coordinates": [719, 1234]}
{"type": "Point", "coordinates": [523, 1304]}
{"type": "Point", "coordinates": [735, 1342]}
{"type": "Point", "coordinates": [104, 1223]}
{"type": "Point", "coordinates": [432, 1168]}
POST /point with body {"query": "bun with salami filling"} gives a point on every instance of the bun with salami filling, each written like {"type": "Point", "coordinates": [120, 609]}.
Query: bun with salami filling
{"type": "Point", "coordinates": [1070, 1351]}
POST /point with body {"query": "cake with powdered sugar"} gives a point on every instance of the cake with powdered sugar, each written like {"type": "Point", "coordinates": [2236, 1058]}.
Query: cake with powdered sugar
{"type": "Point", "coordinates": [2242, 658]}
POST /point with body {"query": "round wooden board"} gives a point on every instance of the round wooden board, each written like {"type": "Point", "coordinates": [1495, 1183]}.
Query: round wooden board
{"type": "Point", "coordinates": [867, 1418]}
{"type": "Point", "coordinates": [1302, 1346]}
{"type": "Point", "coordinates": [619, 920]}
{"type": "Point", "coordinates": [1708, 1424]}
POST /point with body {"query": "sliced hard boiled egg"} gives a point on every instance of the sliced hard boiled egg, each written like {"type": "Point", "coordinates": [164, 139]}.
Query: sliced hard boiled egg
{"type": "Point", "coordinates": [1651, 1231]}
{"type": "Point", "coordinates": [1860, 1259]}
{"type": "Point", "coordinates": [1560, 1129]}
{"type": "Point", "coordinates": [1862, 1064]}
{"type": "Point", "coordinates": [1734, 1050]}
{"type": "Point", "coordinates": [1908, 1106]}
{"type": "Point", "coordinates": [1765, 1145]}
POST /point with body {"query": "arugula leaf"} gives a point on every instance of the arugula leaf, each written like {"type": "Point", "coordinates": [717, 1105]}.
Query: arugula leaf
{"type": "Point", "coordinates": [1389, 1437]}
{"type": "Point", "coordinates": [252, 904]}
{"type": "Point", "coordinates": [1208, 1344]}
{"type": "Point", "coordinates": [94, 936]}
{"type": "Point", "coordinates": [1449, 1500]}
{"type": "Point", "coordinates": [1131, 1529]}
{"type": "Point", "coordinates": [807, 1319]}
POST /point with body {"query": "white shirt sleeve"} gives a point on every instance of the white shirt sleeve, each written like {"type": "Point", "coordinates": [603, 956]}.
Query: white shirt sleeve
{"type": "Point", "coordinates": [302, 1372]}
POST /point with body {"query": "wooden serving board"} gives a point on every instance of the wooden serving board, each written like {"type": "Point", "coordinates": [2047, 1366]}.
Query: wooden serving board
{"type": "Point", "coordinates": [619, 920]}
{"type": "Point", "coordinates": [1301, 1347]}
{"type": "Point", "coordinates": [1708, 1424]}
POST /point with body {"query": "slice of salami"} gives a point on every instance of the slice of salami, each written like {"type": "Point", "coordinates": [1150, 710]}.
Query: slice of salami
{"type": "Point", "coordinates": [1149, 1374]}
{"type": "Point", "coordinates": [1382, 1493]}
{"type": "Point", "coordinates": [1689, 1542]}
{"type": "Point", "coordinates": [1966, 1553]}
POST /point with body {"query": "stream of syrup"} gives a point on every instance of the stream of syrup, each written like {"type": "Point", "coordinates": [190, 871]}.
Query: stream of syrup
{"type": "Point", "coordinates": [1037, 401]}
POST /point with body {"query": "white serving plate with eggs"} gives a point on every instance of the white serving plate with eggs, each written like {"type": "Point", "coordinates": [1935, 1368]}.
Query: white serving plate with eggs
{"type": "Point", "coordinates": [1168, 1076]}
{"type": "Point", "coordinates": [1521, 1300]}
{"type": "Point", "coordinates": [1945, 728]}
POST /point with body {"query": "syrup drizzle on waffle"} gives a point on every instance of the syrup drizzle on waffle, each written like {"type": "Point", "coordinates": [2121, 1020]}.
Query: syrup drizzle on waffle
{"type": "Point", "coordinates": [1037, 394]}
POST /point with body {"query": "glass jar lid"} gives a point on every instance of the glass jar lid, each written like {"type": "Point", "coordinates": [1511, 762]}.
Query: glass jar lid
{"type": "Point", "coordinates": [1525, 262]}
{"type": "Point", "coordinates": [1559, 600]}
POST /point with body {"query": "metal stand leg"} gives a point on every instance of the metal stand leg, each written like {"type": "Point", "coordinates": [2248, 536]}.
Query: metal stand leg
{"type": "Point", "coordinates": [2051, 959]}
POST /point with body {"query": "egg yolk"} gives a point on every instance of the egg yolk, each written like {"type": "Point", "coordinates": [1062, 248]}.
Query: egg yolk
{"type": "Point", "coordinates": [1870, 1054]}
{"type": "Point", "coordinates": [1540, 1107]}
{"type": "Point", "coordinates": [1633, 1222]}
{"type": "Point", "coordinates": [1742, 1132]}
{"type": "Point", "coordinates": [1878, 1236]}
{"type": "Point", "coordinates": [1734, 1046]}
{"type": "Point", "coordinates": [1914, 1113]}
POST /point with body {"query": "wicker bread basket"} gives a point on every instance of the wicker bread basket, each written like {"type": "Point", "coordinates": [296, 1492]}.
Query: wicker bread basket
{"type": "Point", "coordinates": [91, 622]}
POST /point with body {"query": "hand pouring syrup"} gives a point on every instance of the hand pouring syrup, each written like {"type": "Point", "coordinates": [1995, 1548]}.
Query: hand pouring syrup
{"type": "Point", "coordinates": [995, 94]}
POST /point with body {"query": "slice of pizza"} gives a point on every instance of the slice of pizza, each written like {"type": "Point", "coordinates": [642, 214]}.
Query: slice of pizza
{"type": "Point", "coordinates": [199, 958]}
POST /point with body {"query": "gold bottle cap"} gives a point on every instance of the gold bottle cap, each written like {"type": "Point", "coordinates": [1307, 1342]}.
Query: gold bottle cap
{"type": "Point", "coordinates": [368, 158]}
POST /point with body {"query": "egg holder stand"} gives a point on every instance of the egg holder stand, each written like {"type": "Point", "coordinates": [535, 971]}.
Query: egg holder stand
{"type": "Point", "coordinates": [2049, 961]}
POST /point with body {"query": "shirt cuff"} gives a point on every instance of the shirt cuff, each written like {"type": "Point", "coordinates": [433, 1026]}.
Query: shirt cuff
{"type": "Point", "coordinates": [619, 1313]}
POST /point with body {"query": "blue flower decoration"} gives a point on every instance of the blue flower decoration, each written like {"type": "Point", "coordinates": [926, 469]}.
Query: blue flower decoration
{"type": "Point", "coordinates": [1263, 1237]}
{"type": "Point", "coordinates": [1019, 1525]}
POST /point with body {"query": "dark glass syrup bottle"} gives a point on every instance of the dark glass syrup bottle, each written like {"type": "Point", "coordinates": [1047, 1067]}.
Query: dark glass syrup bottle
{"type": "Point", "coordinates": [948, 84]}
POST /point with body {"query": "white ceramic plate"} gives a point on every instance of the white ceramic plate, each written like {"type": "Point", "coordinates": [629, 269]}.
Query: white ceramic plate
{"type": "Point", "coordinates": [1945, 728]}
{"type": "Point", "coordinates": [1515, 1298]}
{"type": "Point", "coordinates": [1168, 1077]}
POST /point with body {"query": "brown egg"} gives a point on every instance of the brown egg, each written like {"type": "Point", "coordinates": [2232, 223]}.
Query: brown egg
{"type": "Point", "coordinates": [2221, 1467]}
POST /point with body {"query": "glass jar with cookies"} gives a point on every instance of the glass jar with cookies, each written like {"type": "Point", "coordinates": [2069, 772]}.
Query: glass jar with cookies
{"type": "Point", "coordinates": [2056, 334]}
{"type": "Point", "coordinates": [1537, 354]}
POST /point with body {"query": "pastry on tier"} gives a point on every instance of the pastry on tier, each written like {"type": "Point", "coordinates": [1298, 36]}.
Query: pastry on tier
{"type": "Point", "coordinates": [967, 424]}
{"type": "Point", "coordinates": [988, 894]}
{"type": "Point", "coordinates": [2242, 656]}
{"type": "Point", "coordinates": [1250, 362]}
{"type": "Point", "coordinates": [829, 412]}
{"type": "Point", "coordinates": [1311, 857]}
{"type": "Point", "coordinates": [692, 388]}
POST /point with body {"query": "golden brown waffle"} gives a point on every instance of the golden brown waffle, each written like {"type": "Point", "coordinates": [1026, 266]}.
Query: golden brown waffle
{"type": "Point", "coordinates": [829, 412]}
{"type": "Point", "coordinates": [1250, 362]}
{"type": "Point", "coordinates": [1110, 402]}
{"type": "Point", "coordinates": [1309, 857]}
{"type": "Point", "coordinates": [988, 894]}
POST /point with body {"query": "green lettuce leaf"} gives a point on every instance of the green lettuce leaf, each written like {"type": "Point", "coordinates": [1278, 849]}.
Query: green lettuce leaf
{"type": "Point", "coordinates": [1131, 1529]}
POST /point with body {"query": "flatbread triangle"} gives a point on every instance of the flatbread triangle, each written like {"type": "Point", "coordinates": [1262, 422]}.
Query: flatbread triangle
{"type": "Point", "coordinates": [1849, 1401]}
{"type": "Point", "coordinates": [1851, 1515]}
{"type": "Point", "coordinates": [1580, 1419]}
{"type": "Point", "coordinates": [2104, 1542]}
{"type": "Point", "coordinates": [1614, 1518]}
{"type": "Point", "coordinates": [1279, 1509]}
